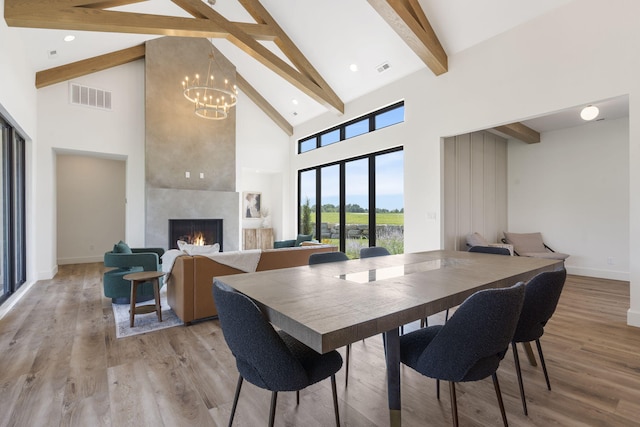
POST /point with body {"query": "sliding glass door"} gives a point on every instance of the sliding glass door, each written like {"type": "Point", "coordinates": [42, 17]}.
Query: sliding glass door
{"type": "Point", "coordinates": [13, 270]}
{"type": "Point", "coordinates": [355, 203]}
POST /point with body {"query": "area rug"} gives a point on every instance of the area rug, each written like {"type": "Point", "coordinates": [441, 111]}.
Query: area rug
{"type": "Point", "coordinates": [144, 322]}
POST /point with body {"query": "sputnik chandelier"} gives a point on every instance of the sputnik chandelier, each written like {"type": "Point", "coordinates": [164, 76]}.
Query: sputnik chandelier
{"type": "Point", "coordinates": [211, 99]}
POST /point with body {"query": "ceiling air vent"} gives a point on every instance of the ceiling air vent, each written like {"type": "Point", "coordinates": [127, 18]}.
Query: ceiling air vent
{"type": "Point", "coordinates": [89, 96]}
{"type": "Point", "coordinates": [383, 67]}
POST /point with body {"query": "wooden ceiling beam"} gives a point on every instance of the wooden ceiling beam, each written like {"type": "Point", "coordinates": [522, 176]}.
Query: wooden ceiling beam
{"type": "Point", "coordinates": [520, 132]}
{"type": "Point", "coordinates": [90, 19]}
{"type": "Point", "coordinates": [407, 18]}
{"type": "Point", "coordinates": [288, 47]}
{"type": "Point", "coordinates": [263, 55]}
{"type": "Point", "coordinates": [263, 104]}
{"type": "Point", "coordinates": [87, 66]}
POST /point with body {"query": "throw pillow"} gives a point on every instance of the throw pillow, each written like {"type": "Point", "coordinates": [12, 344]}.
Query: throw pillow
{"type": "Point", "coordinates": [303, 238]}
{"type": "Point", "coordinates": [121, 248]}
{"type": "Point", "coordinates": [476, 239]}
{"type": "Point", "coordinates": [198, 249]}
{"type": "Point", "coordinates": [525, 242]}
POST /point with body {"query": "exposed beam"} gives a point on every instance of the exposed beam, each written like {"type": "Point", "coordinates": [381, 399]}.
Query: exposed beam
{"type": "Point", "coordinates": [263, 55]}
{"type": "Point", "coordinates": [88, 18]}
{"type": "Point", "coordinates": [88, 66]}
{"type": "Point", "coordinates": [264, 105]}
{"type": "Point", "coordinates": [409, 21]}
{"type": "Point", "coordinates": [288, 47]}
{"type": "Point", "coordinates": [520, 132]}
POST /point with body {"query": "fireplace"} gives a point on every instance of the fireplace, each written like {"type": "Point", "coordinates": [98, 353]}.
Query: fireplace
{"type": "Point", "coordinates": [195, 231]}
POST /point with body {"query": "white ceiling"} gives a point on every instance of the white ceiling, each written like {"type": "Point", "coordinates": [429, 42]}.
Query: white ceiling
{"type": "Point", "coordinates": [332, 34]}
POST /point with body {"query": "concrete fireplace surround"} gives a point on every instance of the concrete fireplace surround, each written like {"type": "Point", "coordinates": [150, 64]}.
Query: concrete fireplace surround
{"type": "Point", "coordinates": [178, 142]}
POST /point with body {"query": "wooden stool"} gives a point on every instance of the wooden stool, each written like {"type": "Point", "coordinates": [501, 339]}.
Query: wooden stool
{"type": "Point", "coordinates": [138, 279]}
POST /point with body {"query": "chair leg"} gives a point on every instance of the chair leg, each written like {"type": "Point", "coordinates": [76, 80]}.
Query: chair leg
{"type": "Point", "coordinates": [335, 400]}
{"type": "Point", "coordinates": [297, 397]}
{"type": "Point", "coordinates": [544, 366]}
{"type": "Point", "coordinates": [235, 399]}
{"type": "Point", "coordinates": [446, 316]}
{"type": "Point", "coordinates": [272, 410]}
{"type": "Point", "coordinates": [496, 385]}
{"type": "Point", "coordinates": [438, 389]}
{"type": "Point", "coordinates": [346, 369]}
{"type": "Point", "coordinates": [454, 403]}
{"type": "Point", "coordinates": [516, 359]}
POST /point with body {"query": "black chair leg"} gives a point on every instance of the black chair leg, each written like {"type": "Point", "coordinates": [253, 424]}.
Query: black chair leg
{"type": "Point", "coordinates": [346, 369]}
{"type": "Point", "coordinates": [516, 359]}
{"type": "Point", "coordinates": [335, 400]}
{"type": "Point", "coordinates": [454, 403]}
{"type": "Point", "coordinates": [446, 316]}
{"type": "Point", "coordinates": [272, 411]}
{"type": "Point", "coordinates": [235, 399]}
{"type": "Point", "coordinates": [438, 389]}
{"type": "Point", "coordinates": [544, 366]}
{"type": "Point", "coordinates": [297, 397]}
{"type": "Point", "coordinates": [496, 385]}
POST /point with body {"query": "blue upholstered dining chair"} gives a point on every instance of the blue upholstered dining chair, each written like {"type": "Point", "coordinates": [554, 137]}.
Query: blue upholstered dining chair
{"type": "Point", "coordinates": [490, 250]}
{"type": "Point", "coordinates": [373, 251]}
{"type": "Point", "coordinates": [323, 257]}
{"type": "Point", "coordinates": [470, 346]}
{"type": "Point", "coordinates": [540, 301]}
{"type": "Point", "coordinates": [267, 358]}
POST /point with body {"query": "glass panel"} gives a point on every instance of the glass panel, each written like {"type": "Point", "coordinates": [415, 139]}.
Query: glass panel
{"type": "Point", "coordinates": [357, 206]}
{"type": "Point", "coordinates": [329, 137]}
{"type": "Point", "coordinates": [357, 128]}
{"type": "Point", "coordinates": [3, 230]}
{"type": "Point", "coordinates": [330, 204]}
{"type": "Point", "coordinates": [307, 202]}
{"type": "Point", "coordinates": [390, 201]}
{"type": "Point", "coordinates": [390, 117]}
{"type": "Point", "coordinates": [308, 144]}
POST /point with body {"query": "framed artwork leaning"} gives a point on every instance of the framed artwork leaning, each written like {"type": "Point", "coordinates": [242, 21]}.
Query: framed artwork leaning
{"type": "Point", "coordinates": [251, 201]}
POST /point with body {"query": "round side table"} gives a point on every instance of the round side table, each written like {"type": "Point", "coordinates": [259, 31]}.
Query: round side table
{"type": "Point", "coordinates": [138, 279]}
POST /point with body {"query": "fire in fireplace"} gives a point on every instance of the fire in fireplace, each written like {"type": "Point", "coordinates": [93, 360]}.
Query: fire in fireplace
{"type": "Point", "coordinates": [195, 232]}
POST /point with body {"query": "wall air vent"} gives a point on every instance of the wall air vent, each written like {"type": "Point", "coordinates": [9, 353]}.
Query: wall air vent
{"type": "Point", "coordinates": [383, 67]}
{"type": "Point", "coordinates": [89, 96]}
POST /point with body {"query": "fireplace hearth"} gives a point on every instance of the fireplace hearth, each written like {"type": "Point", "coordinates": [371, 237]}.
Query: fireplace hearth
{"type": "Point", "coordinates": [195, 232]}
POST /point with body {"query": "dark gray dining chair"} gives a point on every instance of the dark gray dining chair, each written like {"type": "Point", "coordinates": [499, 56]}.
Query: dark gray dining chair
{"type": "Point", "coordinates": [490, 250]}
{"type": "Point", "coordinates": [540, 301]}
{"type": "Point", "coordinates": [373, 251]}
{"type": "Point", "coordinates": [323, 257]}
{"type": "Point", "coordinates": [470, 346]}
{"type": "Point", "coordinates": [267, 358]}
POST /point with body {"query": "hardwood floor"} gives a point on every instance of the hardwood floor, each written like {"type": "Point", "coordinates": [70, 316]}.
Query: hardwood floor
{"type": "Point", "coordinates": [61, 364]}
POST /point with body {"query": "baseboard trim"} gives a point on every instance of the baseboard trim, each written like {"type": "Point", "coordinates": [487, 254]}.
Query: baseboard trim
{"type": "Point", "coordinates": [600, 274]}
{"type": "Point", "coordinates": [13, 299]}
{"type": "Point", "coordinates": [633, 318]}
{"type": "Point", "coordinates": [83, 260]}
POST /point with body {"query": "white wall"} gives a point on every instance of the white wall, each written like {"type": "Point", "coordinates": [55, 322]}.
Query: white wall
{"type": "Point", "coordinates": [574, 188]}
{"type": "Point", "coordinates": [90, 207]}
{"type": "Point", "coordinates": [86, 131]}
{"type": "Point", "coordinates": [262, 165]}
{"type": "Point", "coordinates": [546, 65]}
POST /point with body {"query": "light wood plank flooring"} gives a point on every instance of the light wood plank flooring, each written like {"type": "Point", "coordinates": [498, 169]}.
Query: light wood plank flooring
{"type": "Point", "coordinates": [61, 364]}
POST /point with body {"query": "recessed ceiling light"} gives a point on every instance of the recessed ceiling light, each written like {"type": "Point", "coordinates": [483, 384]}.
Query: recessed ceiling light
{"type": "Point", "coordinates": [353, 67]}
{"type": "Point", "coordinates": [69, 38]}
{"type": "Point", "coordinates": [294, 101]}
{"type": "Point", "coordinates": [589, 112]}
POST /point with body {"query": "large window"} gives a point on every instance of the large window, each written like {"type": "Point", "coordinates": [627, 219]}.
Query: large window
{"type": "Point", "coordinates": [355, 203]}
{"type": "Point", "coordinates": [387, 116]}
{"type": "Point", "coordinates": [12, 247]}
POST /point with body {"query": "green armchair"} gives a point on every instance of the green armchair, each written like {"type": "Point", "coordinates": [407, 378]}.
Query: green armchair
{"type": "Point", "coordinates": [129, 260]}
{"type": "Point", "coordinates": [293, 242]}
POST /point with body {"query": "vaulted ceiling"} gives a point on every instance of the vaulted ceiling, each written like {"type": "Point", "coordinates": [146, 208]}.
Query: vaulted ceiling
{"type": "Point", "coordinates": [284, 50]}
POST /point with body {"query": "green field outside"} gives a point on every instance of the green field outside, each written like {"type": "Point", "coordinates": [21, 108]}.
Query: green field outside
{"type": "Point", "coordinates": [362, 218]}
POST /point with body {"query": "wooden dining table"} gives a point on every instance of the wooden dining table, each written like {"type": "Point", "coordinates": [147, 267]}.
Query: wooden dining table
{"type": "Point", "coordinates": [327, 306]}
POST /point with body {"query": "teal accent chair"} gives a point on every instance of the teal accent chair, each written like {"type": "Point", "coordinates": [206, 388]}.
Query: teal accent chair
{"type": "Point", "coordinates": [129, 260]}
{"type": "Point", "coordinates": [293, 242]}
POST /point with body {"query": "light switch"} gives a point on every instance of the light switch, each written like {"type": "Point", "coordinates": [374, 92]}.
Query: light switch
{"type": "Point", "coordinates": [187, 174]}
{"type": "Point", "coordinates": [201, 175]}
